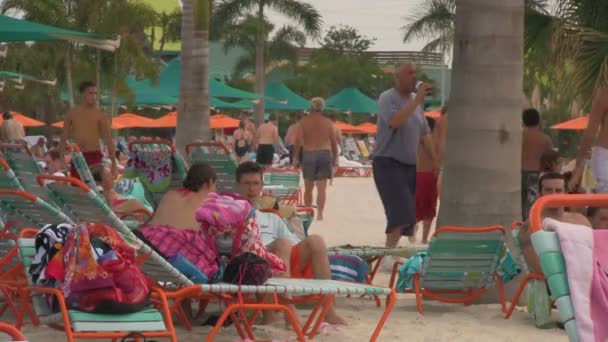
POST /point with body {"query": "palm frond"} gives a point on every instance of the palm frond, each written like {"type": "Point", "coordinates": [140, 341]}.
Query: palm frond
{"type": "Point", "coordinates": [591, 62]}
{"type": "Point", "coordinates": [302, 12]}
{"type": "Point", "coordinates": [434, 18]}
{"type": "Point", "coordinates": [244, 63]}
{"type": "Point", "coordinates": [290, 34]}
{"type": "Point", "coordinates": [228, 12]}
{"type": "Point", "coordinates": [441, 44]}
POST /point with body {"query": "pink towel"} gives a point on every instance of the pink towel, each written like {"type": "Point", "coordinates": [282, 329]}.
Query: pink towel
{"type": "Point", "coordinates": [599, 287]}
{"type": "Point", "coordinates": [577, 244]}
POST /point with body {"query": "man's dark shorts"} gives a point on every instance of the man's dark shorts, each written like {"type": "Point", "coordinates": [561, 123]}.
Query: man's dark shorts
{"type": "Point", "coordinates": [396, 184]}
{"type": "Point", "coordinates": [316, 165]}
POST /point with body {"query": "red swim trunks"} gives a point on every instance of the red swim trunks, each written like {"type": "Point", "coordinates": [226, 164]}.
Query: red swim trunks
{"type": "Point", "coordinates": [297, 271]}
{"type": "Point", "coordinates": [426, 196]}
{"type": "Point", "coordinates": [91, 157]}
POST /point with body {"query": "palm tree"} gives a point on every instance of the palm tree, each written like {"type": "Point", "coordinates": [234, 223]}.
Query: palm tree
{"type": "Point", "coordinates": [481, 188]}
{"type": "Point", "coordinates": [193, 107]}
{"type": "Point", "coordinates": [169, 25]}
{"type": "Point", "coordinates": [303, 13]}
{"type": "Point", "coordinates": [280, 47]}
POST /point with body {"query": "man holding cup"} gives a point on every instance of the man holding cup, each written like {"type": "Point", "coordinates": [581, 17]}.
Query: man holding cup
{"type": "Point", "coordinates": [401, 128]}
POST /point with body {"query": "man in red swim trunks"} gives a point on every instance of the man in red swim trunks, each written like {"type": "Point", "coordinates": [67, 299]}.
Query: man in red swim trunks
{"type": "Point", "coordinates": [426, 188]}
{"type": "Point", "coordinates": [86, 124]}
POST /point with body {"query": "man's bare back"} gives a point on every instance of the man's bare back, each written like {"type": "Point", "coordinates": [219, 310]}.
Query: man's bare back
{"type": "Point", "coordinates": [177, 209]}
{"type": "Point", "coordinates": [268, 134]}
{"type": "Point", "coordinates": [534, 144]}
{"type": "Point", "coordinates": [292, 133]}
{"type": "Point", "coordinates": [425, 161]}
{"type": "Point", "coordinates": [317, 132]}
{"type": "Point", "coordinates": [12, 130]}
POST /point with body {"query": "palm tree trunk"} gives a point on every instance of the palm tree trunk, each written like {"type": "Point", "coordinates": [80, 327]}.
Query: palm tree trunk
{"type": "Point", "coordinates": [482, 171]}
{"type": "Point", "coordinates": [193, 107]}
{"type": "Point", "coordinates": [260, 70]}
{"type": "Point", "coordinates": [483, 159]}
{"type": "Point", "coordinates": [68, 75]}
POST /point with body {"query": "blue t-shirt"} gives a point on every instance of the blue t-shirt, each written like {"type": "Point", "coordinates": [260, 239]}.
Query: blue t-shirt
{"type": "Point", "coordinates": [402, 143]}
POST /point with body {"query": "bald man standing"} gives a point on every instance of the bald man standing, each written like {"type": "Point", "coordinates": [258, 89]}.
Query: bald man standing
{"type": "Point", "coordinates": [401, 129]}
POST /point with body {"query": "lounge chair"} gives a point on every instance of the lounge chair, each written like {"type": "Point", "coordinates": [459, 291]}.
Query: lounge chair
{"type": "Point", "coordinates": [83, 169]}
{"type": "Point", "coordinates": [548, 247]}
{"type": "Point", "coordinates": [8, 179]}
{"type": "Point", "coordinates": [284, 185]}
{"type": "Point", "coordinates": [24, 209]}
{"type": "Point", "coordinates": [82, 204]}
{"type": "Point", "coordinates": [220, 158]}
{"type": "Point", "coordinates": [26, 168]}
{"type": "Point", "coordinates": [77, 324]}
{"type": "Point", "coordinates": [11, 331]}
{"type": "Point", "coordinates": [144, 150]}
{"type": "Point", "coordinates": [461, 261]}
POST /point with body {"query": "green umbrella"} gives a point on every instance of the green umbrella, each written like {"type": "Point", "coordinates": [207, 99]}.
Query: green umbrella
{"type": "Point", "coordinates": [214, 102]}
{"type": "Point", "coordinates": [352, 100]}
{"type": "Point", "coordinates": [17, 30]}
{"type": "Point", "coordinates": [289, 101]}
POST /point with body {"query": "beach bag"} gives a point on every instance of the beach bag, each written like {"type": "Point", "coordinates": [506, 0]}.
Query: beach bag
{"type": "Point", "coordinates": [349, 268]}
{"type": "Point", "coordinates": [247, 269]}
{"type": "Point", "coordinates": [101, 274]}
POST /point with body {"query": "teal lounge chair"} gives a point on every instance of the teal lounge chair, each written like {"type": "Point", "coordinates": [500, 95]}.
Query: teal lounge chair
{"type": "Point", "coordinates": [220, 158]}
{"type": "Point", "coordinates": [284, 185]}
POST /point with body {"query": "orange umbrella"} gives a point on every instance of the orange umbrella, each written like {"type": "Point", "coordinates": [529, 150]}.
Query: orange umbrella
{"type": "Point", "coordinates": [577, 124]}
{"type": "Point", "coordinates": [348, 128]}
{"type": "Point", "coordinates": [368, 128]}
{"type": "Point", "coordinates": [130, 120]}
{"type": "Point", "coordinates": [59, 124]}
{"type": "Point", "coordinates": [24, 120]}
{"type": "Point", "coordinates": [221, 121]}
{"type": "Point", "coordinates": [435, 114]}
{"type": "Point", "coordinates": [167, 121]}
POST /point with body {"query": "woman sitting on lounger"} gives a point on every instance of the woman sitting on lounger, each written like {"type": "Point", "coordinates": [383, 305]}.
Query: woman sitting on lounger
{"type": "Point", "coordinates": [177, 207]}
{"type": "Point", "coordinates": [103, 178]}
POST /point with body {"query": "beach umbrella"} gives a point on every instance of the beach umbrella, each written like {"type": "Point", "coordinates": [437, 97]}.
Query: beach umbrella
{"type": "Point", "coordinates": [347, 128]}
{"type": "Point", "coordinates": [24, 120]}
{"type": "Point", "coordinates": [577, 124]}
{"type": "Point", "coordinates": [352, 100]}
{"type": "Point", "coordinates": [220, 121]}
{"type": "Point", "coordinates": [19, 30]}
{"type": "Point", "coordinates": [217, 103]}
{"type": "Point", "coordinates": [130, 120]}
{"type": "Point", "coordinates": [435, 114]}
{"type": "Point", "coordinates": [368, 128]}
{"type": "Point", "coordinates": [286, 99]}
{"type": "Point", "coordinates": [59, 124]}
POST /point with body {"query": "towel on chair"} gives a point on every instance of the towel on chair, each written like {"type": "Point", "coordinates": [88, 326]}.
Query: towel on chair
{"type": "Point", "coordinates": [154, 169]}
{"type": "Point", "coordinates": [587, 267]}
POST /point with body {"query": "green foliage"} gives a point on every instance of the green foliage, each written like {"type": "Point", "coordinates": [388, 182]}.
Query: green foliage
{"type": "Point", "coordinates": [345, 39]}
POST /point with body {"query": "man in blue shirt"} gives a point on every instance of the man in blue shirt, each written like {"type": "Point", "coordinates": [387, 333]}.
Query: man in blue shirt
{"type": "Point", "coordinates": [401, 129]}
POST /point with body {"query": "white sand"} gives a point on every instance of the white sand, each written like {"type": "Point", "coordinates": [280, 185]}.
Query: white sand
{"type": "Point", "coordinates": [354, 215]}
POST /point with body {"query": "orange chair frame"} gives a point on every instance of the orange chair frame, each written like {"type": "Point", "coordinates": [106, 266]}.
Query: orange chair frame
{"type": "Point", "coordinates": [11, 331]}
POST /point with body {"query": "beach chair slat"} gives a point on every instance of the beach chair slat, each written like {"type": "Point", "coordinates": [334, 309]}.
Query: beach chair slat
{"type": "Point", "coordinates": [553, 263]}
{"type": "Point", "coordinates": [545, 242]}
{"type": "Point", "coordinates": [566, 310]}
{"type": "Point", "coordinates": [558, 283]}
{"type": "Point", "coordinates": [462, 256]}
{"type": "Point", "coordinates": [572, 331]}
{"type": "Point", "coordinates": [465, 247]}
{"type": "Point", "coordinates": [489, 236]}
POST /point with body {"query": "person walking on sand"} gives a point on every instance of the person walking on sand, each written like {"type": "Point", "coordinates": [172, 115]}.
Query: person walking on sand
{"type": "Point", "coordinates": [242, 140]}
{"type": "Point", "coordinates": [87, 124]}
{"type": "Point", "coordinates": [317, 138]}
{"type": "Point", "coordinates": [534, 144]}
{"type": "Point", "coordinates": [426, 188]}
{"type": "Point", "coordinates": [596, 135]}
{"type": "Point", "coordinates": [267, 139]}
{"type": "Point", "coordinates": [250, 127]}
{"type": "Point", "coordinates": [290, 136]}
{"type": "Point", "coordinates": [401, 129]}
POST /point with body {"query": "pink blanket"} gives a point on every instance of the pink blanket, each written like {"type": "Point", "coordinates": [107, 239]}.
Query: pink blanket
{"type": "Point", "coordinates": [586, 255]}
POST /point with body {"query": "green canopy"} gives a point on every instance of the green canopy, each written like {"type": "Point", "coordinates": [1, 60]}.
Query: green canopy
{"type": "Point", "coordinates": [17, 30]}
{"type": "Point", "coordinates": [289, 101]}
{"type": "Point", "coordinates": [352, 100]}
{"type": "Point", "coordinates": [216, 103]}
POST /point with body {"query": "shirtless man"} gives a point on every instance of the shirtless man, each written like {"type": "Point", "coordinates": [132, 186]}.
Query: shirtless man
{"type": "Point", "coordinates": [11, 130]}
{"type": "Point", "coordinates": [250, 126]}
{"type": "Point", "coordinates": [291, 135]}
{"type": "Point", "coordinates": [549, 184]}
{"type": "Point", "coordinates": [534, 144]}
{"type": "Point", "coordinates": [88, 124]}
{"type": "Point", "coordinates": [426, 188]}
{"type": "Point", "coordinates": [267, 139]}
{"type": "Point", "coordinates": [596, 135]}
{"type": "Point", "coordinates": [317, 137]}
{"type": "Point", "coordinates": [242, 140]}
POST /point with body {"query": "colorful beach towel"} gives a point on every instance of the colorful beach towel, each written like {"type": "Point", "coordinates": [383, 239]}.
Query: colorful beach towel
{"type": "Point", "coordinates": [586, 256]}
{"type": "Point", "coordinates": [154, 169]}
{"type": "Point", "coordinates": [222, 216]}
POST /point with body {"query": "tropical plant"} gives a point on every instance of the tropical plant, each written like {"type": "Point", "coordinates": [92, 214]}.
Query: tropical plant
{"type": "Point", "coordinates": [280, 45]}
{"type": "Point", "coordinates": [193, 108]}
{"type": "Point", "coordinates": [231, 11]}
{"type": "Point", "coordinates": [169, 26]}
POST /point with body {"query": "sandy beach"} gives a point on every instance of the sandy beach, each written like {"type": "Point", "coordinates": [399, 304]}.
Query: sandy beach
{"type": "Point", "coordinates": [354, 215]}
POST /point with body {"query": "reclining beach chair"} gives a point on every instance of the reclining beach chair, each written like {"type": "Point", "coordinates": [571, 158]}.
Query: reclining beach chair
{"type": "Point", "coordinates": [284, 185]}
{"type": "Point", "coordinates": [220, 158]}
{"type": "Point", "coordinates": [8, 179]}
{"type": "Point", "coordinates": [150, 322]}
{"type": "Point", "coordinates": [82, 204]}
{"type": "Point", "coordinates": [547, 246]}
{"type": "Point", "coordinates": [83, 169]}
{"type": "Point", "coordinates": [461, 261]}
{"type": "Point", "coordinates": [23, 209]}
{"type": "Point", "coordinates": [26, 168]}
{"type": "Point", "coordinates": [157, 179]}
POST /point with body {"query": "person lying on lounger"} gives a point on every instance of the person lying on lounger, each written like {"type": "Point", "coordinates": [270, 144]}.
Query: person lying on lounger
{"type": "Point", "coordinates": [305, 258]}
{"type": "Point", "coordinates": [550, 183]}
{"type": "Point", "coordinates": [103, 178]}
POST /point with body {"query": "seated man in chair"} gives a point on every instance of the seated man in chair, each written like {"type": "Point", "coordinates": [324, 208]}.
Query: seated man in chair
{"type": "Point", "coordinates": [305, 258]}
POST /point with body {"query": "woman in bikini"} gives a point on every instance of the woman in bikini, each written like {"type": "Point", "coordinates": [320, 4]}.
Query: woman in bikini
{"type": "Point", "coordinates": [242, 142]}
